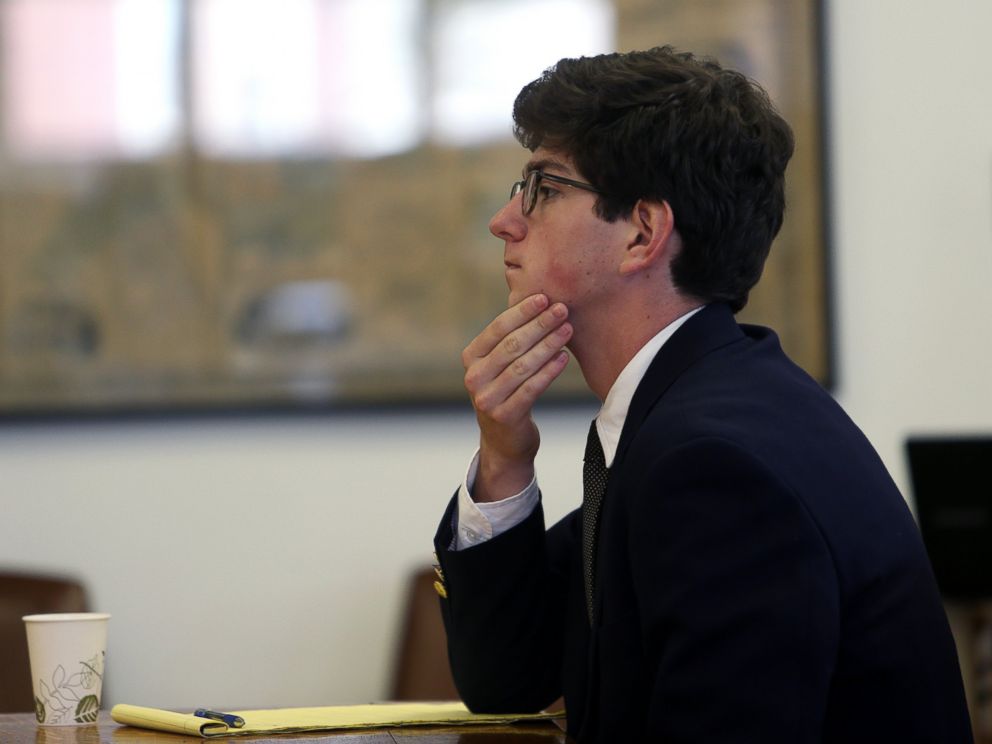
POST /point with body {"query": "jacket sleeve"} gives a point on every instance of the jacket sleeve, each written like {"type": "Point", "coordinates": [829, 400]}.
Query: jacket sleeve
{"type": "Point", "coordinates": [738, 599]}
{"type": "Point", "coordinates": [504, 612]}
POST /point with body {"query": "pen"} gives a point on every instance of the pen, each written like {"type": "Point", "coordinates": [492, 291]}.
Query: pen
{"type": "Point", "coordinates": [230, 719]}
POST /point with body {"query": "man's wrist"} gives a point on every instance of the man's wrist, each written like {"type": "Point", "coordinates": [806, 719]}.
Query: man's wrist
{"type": "Point", "coordinates": [475, 523]}
{"type": "Point", "coordinates": [498, 479]}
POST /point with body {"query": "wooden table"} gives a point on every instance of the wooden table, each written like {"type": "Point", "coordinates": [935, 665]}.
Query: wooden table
{"type": "Point", "coordinates": [21, 728]}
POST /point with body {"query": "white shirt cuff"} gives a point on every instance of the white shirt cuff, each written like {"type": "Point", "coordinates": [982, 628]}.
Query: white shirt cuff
{"type": "Point", "coordinates": [478, 523]}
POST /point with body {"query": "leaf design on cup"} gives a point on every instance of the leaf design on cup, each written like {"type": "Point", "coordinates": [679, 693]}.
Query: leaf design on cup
{"type": "Point", "coordinates": [68, 694]}
{"type": "Point", "coordinates": [88, 709]}
{"type": "Point", "coordinates": [56, 707]}
{"type": "Point", "coordinates": [90, 672]}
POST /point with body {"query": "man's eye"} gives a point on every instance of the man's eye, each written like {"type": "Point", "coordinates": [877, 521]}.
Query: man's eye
{"type": "Point", "coordinates": [545, 192]}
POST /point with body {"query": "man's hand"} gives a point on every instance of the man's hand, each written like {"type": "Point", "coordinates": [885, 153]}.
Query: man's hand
{"type": "Point", "coordinates": [507, 367]}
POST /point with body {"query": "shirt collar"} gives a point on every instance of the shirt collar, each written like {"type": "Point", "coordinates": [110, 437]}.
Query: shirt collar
{"type": "Point", "coordinates": [613, 414]}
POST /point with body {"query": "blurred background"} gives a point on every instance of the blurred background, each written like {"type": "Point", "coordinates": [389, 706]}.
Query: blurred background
{"type": "Point", "coordinates": [275, 212]}
{"type": "Point", "coordinates": [216, 203]}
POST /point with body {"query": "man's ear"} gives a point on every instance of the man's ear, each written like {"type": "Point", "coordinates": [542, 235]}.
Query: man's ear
{"type": "Point", "coordinates": [652, 238]}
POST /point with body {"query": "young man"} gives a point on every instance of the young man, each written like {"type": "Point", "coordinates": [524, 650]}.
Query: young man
{"type": "Point", "coordinates": [750, 572]}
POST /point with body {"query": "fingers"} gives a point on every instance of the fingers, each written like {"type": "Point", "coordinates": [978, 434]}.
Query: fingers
{"type": "Point", "coordinates": [509, 321]}
{"type": "Point", "coordinates": [513, 396]}
{"type": "Point", "coordinates": [516, 330]}
{"type": "Point", "coordinates": [517, 357]}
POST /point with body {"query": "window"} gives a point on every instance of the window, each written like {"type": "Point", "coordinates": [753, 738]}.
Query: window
{"type": "Point", "coordinates": [487, 51]}
{"type": "Point", "coordinates": [92, 79]}
{"type": "Point", "coordinates": [88, 78]}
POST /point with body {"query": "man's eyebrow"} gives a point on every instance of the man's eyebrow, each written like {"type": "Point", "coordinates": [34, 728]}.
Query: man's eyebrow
{"type": "Point", "coordinates": [544, 164]}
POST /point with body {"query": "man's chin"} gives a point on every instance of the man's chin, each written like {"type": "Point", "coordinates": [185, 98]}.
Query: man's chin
{"type": "Point", "coordinates": [518, 295]}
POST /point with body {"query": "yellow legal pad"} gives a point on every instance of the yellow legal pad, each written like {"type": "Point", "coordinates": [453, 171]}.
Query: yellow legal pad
{"type": "Point", "coordinates": [289, 720]}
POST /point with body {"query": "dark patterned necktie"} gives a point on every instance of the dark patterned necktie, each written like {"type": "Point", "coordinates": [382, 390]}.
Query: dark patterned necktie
{"type": "Point", "coordinates": [594, 474]}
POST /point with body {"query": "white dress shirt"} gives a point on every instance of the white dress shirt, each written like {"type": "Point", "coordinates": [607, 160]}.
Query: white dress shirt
{"type": "Point", "coordinates": [480, 522]}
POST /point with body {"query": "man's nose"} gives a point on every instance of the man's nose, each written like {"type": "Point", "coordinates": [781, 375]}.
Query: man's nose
{"type": "Point", "coordinates": [509, 223]}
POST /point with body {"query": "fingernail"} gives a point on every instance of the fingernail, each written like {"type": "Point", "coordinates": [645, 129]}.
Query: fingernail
{"type": "Point", "coordinates": [559, 310]}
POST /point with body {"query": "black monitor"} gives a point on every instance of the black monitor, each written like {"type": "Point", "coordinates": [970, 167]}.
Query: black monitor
{"type": "Point", "coordinates": [952, 490]}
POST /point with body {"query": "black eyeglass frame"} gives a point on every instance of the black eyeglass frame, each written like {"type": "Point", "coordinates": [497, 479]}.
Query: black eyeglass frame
{"type": "Point", "coordinates": [529, 185]}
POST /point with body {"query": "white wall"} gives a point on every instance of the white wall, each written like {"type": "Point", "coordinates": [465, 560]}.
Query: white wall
{"type": "Point", "coordinates": [247, 562]}
{"type": "Point", "coordinates": [261, 562]}
{"type": "Point", "coordinates": [912, 166]}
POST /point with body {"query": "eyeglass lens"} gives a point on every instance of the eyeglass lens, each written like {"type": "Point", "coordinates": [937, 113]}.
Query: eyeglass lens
{"type": "Point", "coordinates": [529, 187]}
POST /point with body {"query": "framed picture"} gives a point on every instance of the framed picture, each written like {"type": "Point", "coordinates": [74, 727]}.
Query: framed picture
{"type": "Point", "coordinates": [186, 262]}
{"type": "Point", "coordinates": [778, 43]}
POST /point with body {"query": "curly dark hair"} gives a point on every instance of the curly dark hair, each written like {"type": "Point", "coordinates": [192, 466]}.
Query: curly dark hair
{"type": "Point", "coordinates": [670, 126]}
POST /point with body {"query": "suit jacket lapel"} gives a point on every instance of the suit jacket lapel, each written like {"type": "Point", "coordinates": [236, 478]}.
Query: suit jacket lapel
{"type": "Point", "coordinates": [712, 327]}
{"type": "Point", "coordinates": [709, 329]}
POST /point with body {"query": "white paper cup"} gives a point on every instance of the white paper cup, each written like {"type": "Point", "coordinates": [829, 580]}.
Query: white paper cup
{"type": "Point", "coordinates": [67, 652]}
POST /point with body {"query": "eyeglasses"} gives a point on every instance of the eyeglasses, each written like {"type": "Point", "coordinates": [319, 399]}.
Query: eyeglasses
{"type": "Point", "coordinates": [531, 187]}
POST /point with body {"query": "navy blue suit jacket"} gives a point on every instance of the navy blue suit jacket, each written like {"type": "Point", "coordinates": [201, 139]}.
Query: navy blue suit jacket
{"type": "Point", "coordinates": [760, 578]}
